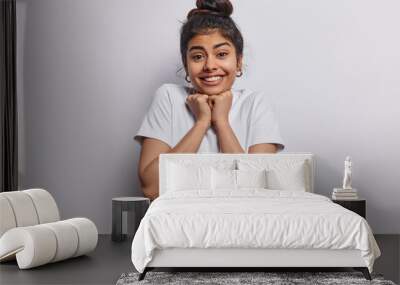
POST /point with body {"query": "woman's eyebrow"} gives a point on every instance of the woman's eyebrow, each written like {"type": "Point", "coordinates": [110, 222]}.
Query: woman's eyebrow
{"type": "Point", "coordinates": [221, 44]}
{"type": "Point", "coordinates": [216, 46]}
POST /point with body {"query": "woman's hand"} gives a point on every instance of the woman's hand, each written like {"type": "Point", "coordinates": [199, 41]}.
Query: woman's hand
{"type": "Point", "coordinates": [200, 107]}
{"type": "Point", "coordinates": [220, 107]}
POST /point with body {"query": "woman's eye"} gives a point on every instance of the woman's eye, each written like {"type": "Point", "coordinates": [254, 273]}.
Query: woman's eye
{"type": "Point", "coordinates": [222, 54]}
{"type": "Point", "coordinates": [197, 57]}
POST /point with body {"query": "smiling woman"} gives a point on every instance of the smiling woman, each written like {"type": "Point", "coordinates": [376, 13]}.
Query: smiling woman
{"type": "Point", "coordinates": [211, 63]}
{"type": "Point", "coordinates": [209, 116]}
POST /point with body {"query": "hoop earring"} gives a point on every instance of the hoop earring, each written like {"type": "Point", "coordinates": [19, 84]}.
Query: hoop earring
{"type": "Point", "coordinates": [187, 80]}
{"type": "Point", "coordinates": [240, 74]}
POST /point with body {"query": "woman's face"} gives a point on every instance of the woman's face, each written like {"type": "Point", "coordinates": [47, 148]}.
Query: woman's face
{"type": "Point", "coordinates": [212, 63]}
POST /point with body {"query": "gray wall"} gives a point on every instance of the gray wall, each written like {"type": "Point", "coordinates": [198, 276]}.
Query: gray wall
{"type": "Point", "coordinates": [88, 70]}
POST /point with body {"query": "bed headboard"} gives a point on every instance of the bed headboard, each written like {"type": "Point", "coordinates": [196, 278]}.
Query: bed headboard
{"type": "Point", "coordinates": [229, 159]}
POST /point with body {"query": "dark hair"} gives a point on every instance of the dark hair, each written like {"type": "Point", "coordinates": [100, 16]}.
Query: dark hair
{"type": "Point", "coordinates": [210, 15]}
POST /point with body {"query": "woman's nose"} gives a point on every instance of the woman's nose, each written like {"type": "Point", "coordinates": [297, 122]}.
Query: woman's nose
{"type": "Point", "coordinates": [210, 64]}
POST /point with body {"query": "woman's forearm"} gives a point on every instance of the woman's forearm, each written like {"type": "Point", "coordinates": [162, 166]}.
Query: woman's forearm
{"type": "Point", "coordinates": [190, 143]}
{"type": "Point", "coordinates": [228, 142]}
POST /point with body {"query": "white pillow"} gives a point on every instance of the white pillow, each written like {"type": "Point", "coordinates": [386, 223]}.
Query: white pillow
{"type": "Point", "coordinates": [223, 179]}
{"type": "Point", "coordinates": [281, 174]}
{"type": "Point", "coordinates": [291, 178]}
{"type": "Point", "coordinates": [251, 178]}
{"type": "Point", "coordinates": [188, 177]}
{"type": "Point", "coordinates": [236, 179]}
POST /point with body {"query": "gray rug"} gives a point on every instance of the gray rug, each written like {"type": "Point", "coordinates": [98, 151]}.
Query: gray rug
{"type": "Point", "coordinates": [269, 278]}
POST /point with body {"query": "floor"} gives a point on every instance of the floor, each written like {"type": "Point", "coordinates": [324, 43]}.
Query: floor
{"type": "Point", "coordinates": [111, 259]}
{"type": "Point", "coordinates": [102, 266]}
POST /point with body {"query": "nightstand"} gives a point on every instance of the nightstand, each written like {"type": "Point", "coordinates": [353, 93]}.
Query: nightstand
{"type": "Point", "coordinates": [138, 205]}
{"type": "Point", "coordinates": [358, 206]}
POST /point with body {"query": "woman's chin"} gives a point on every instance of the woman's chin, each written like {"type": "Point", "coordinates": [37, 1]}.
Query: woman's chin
{"type": "Point", "coordinates": [214, 90]}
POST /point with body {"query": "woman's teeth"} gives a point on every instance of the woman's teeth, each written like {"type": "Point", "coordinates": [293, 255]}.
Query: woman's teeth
{"type": "Point", "coordinates": [212, 79]}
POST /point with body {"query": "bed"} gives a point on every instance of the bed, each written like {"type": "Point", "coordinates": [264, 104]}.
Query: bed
{"type": "Point", "coordinates": [248, 210]}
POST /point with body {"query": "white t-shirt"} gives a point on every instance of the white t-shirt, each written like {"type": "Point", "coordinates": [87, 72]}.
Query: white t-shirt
{"type": "Point", "coordinates": [251, 118]}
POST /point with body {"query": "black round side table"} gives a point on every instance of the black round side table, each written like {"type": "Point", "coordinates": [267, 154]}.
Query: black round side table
{"type": "Point", "coordinates": [138, 205]}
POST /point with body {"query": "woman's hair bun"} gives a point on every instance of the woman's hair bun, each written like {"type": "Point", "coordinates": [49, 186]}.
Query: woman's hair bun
{"type": "Point", "coordinates": [218, 7]}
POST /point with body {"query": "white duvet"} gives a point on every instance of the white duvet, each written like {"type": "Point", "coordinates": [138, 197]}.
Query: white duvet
{"type": "Point", "coordinates": [250, 218]}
